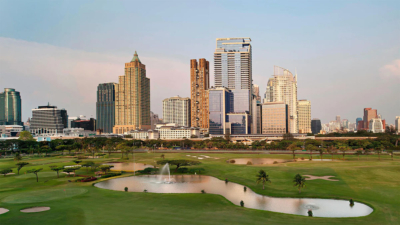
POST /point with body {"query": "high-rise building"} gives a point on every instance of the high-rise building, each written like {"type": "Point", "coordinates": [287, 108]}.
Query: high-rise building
{"type": "Point", "coordinates": [199, 84]}
{"type": "Point", "coordinates": [220, 104]}
{"type": "Point", "coordinates": [345, 123]}
{"type": "Point", "coordinates": [304, 116]}
{"type": "Point", "coordinates": [132, 98]}
{"type": "Point", "coordinates": [316, 126]}
{"type": "Point", "coordinates": [105, 107]}
{"type": "Point", "coordinates": [369, 114]}
{"type": "Point", "coordinates": [274, 118]}
{"type": "Point", "coordinates": [397, 124]}
{"type": "Point", "coordinates": [233, 70]}
{"type": "Point", "coordinates": [10, 107]}
{"type": "Point", "coordinates": [256, 92]}
{"type": "Point", "coordinates": [282, 87]}
{"type": "Point", "coordinates": [177, 110]}
{"type": "Point", "coordinates": [376, 125]}
{"type": "Point", "coordinates": [154, 119]}
{"type": "Point", "coordinates": [48, 121]}
{"type": "Point", "coordinates": [256, 117]}
{"type": "Point", "coordinates": [338, 119]}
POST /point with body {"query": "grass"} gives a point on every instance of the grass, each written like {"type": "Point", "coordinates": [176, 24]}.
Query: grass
{"type": "Point", "coordinates": [368, 180]}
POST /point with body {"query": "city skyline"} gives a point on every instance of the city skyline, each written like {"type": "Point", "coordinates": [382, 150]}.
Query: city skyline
{"type": "Point", "coordinates": [331, 65]}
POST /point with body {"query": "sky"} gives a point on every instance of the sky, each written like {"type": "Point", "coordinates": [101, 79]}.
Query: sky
{"type": "Point", "coordinates": [346, 53]}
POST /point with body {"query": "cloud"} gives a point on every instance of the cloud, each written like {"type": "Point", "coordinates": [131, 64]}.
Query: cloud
{"type": "Point", "coordinates": [391, 70]}
{"type": "Point", "coordinates": [68, 78]}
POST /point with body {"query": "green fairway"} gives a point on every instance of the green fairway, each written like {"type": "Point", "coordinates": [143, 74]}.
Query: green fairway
{"type": "Point", "coordinates": [367, 180]}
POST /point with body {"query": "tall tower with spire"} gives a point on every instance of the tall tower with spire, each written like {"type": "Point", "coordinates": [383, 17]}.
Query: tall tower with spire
{"type": "Point", "coordinates": [132, 98]}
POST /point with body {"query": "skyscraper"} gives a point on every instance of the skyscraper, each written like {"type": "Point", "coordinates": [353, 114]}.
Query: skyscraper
{"type": "Point", "coordinates": [48, 121]}
{"type": "Point", "coordinates": [274, 118]}
{"type": "Point", "coordinates": [282, 87]}
{"type": "Point", "coordinates": [177, 110]}
{"type": "Point", "coordinates": [233, 70]}
{"type": "Point", "coordinates": [105, 107]}
{"type": "Point", "coordinates": [132, 98]}
{"type": "Point", "coordinates": [338, 119]}
{"type": "Point", "coordinates": [316, 126]}
{"type": "Point", "coordinates": [397, 124]}
{"type": "Point", "coordinates": [199, 84]}
{"type": "Point", "coordinates": [304, 116]}
{"type": "Point", "coordinates": [369, 114]}
{"type": "Point", "coordinates": [256, 92]}
{"type": "Point", "coordinates": [220, 104]}
{"type": "Point", "coordinates": [10, 107]}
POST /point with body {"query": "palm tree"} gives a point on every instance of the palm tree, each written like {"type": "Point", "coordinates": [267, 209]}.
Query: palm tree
{"type": "Point", "coordinates": [299, 181]}
{"type": "Point", "coordinates": [262, 177]}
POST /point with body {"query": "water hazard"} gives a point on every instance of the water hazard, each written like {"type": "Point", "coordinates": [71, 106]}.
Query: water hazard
{"type": "Point", "coordinates": [235, 193]}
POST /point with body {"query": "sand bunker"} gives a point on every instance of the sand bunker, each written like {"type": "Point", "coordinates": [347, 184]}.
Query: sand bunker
{"type": "Point", "coordinates": [311, 177]}
{"type": "Point", "coordinates": [35, 209]}
{"type": "Point", "coordinates": [3, 210]}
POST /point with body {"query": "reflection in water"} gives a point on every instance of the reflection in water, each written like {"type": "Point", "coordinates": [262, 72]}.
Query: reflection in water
{"type": "Point", "coordinates": [258, 161]}
{"type": "Point", "coordinates": [128, 166]}
{"type": "Point", "coordinates": [235, 193]}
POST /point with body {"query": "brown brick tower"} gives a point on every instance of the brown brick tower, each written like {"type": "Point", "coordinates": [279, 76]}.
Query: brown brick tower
{"type": "Point", "coordinates": [199, 84]}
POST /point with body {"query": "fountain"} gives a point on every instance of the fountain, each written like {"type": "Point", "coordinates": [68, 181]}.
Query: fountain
{"type": "Point", "coordinates": [163, 171]}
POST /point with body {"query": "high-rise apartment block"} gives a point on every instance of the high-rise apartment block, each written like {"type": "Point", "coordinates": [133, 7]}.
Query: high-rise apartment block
{"type": "Point", "coordinates": [376, 125]}
{"type": "Point", "coordinates": [105, 107]}
{"type": "Point", "coordinates": [10, 107]}
{"type": "Point", "coordinates": [132, 98]}
{"type": "Point", "coordinates": [304, 116]}
{"type": "Point", "coordinates": [274, 118]}
{"type": "Point", "coordinates": [282, 87]}
{"type": "Point", "coordinates": [48, 121]}
{"type": "Point", "coordinates": [397, 124]}
{"type": "Point", "coordinates": [177, 110]}
{"type": "Point", "coordinates": [316, 126]}
{"type": "Point", "coordinates": [199, 84]}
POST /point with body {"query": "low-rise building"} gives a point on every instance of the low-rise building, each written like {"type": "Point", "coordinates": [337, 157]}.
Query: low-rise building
{"type": "Point", "coordinates": [78, 132]}
{"type": "Point", "coordinates": [144, 134]}
{"type": "Point", "coordinates": [10, 130]}
{"type": "Point", "coordinates": [172, 132]}
{"type": "Point", "coordinates": [376, 125]}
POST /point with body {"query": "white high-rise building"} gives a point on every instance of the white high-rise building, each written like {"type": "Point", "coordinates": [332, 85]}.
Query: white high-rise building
{"type": "Point", "coordinates": [397, 124]}
{"type": "Point", "coordinates": [177, 110]}
{"type": "Point", "coordinates": [376, 125]}
{"type": "Point", "coordinates": [282, 87]}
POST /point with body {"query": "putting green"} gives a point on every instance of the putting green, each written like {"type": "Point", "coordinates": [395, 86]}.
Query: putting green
{"type": "Point", "coordinates": [44, 195]}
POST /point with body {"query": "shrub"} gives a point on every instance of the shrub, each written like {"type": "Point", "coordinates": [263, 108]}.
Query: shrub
{"type": "Point", "coordinates": [232, 161]}
{"type": "Point", "coordinates": [226, 180]}
{"type": "Point", "coordinates": [126, 189]}
{"type": "Point", "coordinates": [203, 191]}
{"type": "Point", "coordinates": [148, 171]}
{"type": "Point", "coordinates": [351, 202]}
{"type": "Point", "coordinates": [302, 158]}
{"type": "Point", "coordinates": [245, 189]}
{"type": "Point", "coordinates": [310, 213]}
{"type": "Point", "coordinates": [111, 175]}
{"type": "Point", "coordinates": [249, 163]}
{"type": "Point", "coordinates": [242, 203]}
{"type": "Point", "coordinates": [145, 191]}
{"type": "Point", "coordinates": [275, 162]}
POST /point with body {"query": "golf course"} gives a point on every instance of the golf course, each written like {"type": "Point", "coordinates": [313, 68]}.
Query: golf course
{"type": "Point", "coordinates": [367, 179]}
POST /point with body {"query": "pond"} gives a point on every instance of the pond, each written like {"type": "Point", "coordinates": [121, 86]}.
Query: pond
{"type": "Point", "coordinates": [129, 166]}
{"type": "Point", "coordinates": [235, 193]}
{"type": "Point", "coordinates": [258, 161]}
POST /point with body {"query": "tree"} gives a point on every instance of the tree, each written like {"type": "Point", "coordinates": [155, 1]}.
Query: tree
{"type": "Point", "coordinates": [68, 170]}
{"type": "Point", "coordinates": [262, 177]}
{"type": "Point", "coordinates": [378, 150]}
{"type": "Point", "coordinates": [87, 164]}
{"type": "Point", "coordinates": [358, 153]}
{"type": "Point", "coordinates": [35, 171]}
{"type": "Point", "coordinates": [293, 147]}
{"type": "Point", "coordinates": [178, 162]}
{"type": "Point", "coordinates": [288, 136]}
{"type": "Point", "coordinates": [163, 156]}
{"type": "Point", "coordinates": [17, 157]}
{"type": "Point", "coordinates": [321, 152]}
{"type": "Point", "coordinates": [25, 136]}
{"type": "Point", "coordinates": [311, 148]}
{"type": "Point", "coordinates": [228, 135]}
{"type": "Point", "coordinates": [75, 168]}
{"type": "Point", "coordinates": [106, 168]}
{"type": "Point", "coordinates": [57, 169]}
{"type": "Point", "coordinates": [344, 149]}
{"type": "Point", "coordinates": [20, 165]}
{"type": "Point", "coordinates": [299, 182]}
{"type": "Point", "coordinates": [5, 171]}
{"type": "Point", "coordinates": [391, 152]}
{"type": "Point", "coordinates": [332, 150]}
{"type": "Point", "coordinates": [77, 161]}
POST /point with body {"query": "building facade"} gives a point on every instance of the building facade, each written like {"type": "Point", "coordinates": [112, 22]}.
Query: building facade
{"type": "Point", "coordinates": [89, 124]}
{"type": "Point", "coordinates": [316, 126]}
{"type": "Point", "coordinates": [397, 124]}
{"type": "Point", "coordinates": [369, 114]}
{"type": "Point", "coordinates": [170, 132]}
{"type": "Point", "coordinates": [154, 119]}
{"type": "Point", "coordinates": [105, 107]}
{"type": "Point", "coordinates": [274, 118]}
{"type": "Point", "coordinates": [48, 121]}
{"type": "Point", "coordinates": [304, 116]}
{"type": "Point", "coordinates": [132, 98]}
{"type": "Point", "coordinates": [177, 110]}
{"type": "Point", "coordinates": [233, 70]}
{"type": "Point", "coordinates": [282, 87]}
{"type": "Point", "coordinates": [220, 104]}
{"type": "Point", "coordinates": [10, 130]}
{"type": "Point", "coordinates": [199, 84]}
{"type": "Point", "coordinates": [10, 107]}
{"type": "Point", "coordinates": [376, 125]}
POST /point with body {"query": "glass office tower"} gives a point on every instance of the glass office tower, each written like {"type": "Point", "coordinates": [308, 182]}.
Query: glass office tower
{"type": "Point", "coordinates": [105, 107]}
{"type": "Point", "coordinates": [10, 107]}
{"type": "Point", "coordinates": [220, 104]}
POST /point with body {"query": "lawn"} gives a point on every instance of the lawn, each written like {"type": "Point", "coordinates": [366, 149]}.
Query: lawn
{"type": "Point", "coordinates": [368, 180]}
